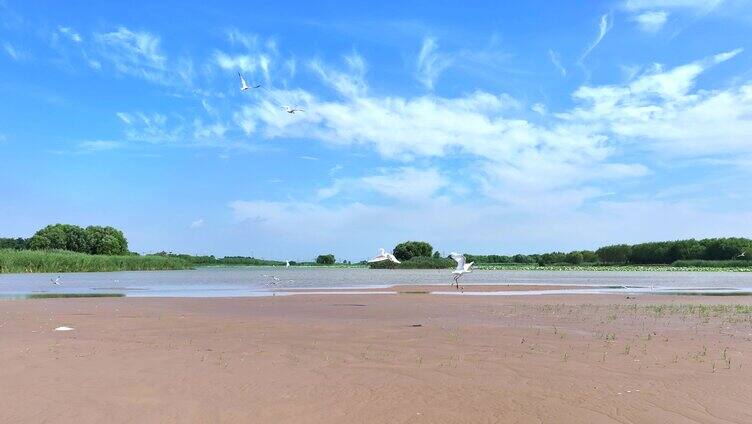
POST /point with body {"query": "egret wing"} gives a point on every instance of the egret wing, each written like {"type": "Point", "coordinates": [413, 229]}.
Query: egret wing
{"type": "Point", "coordinates": [460, 259]}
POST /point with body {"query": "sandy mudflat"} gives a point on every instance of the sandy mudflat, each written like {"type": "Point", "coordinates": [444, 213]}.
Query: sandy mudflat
{"type": "Point", "coordinates": [360, 359]}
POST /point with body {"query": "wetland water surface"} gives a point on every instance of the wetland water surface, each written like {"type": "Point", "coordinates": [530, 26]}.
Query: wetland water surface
{"type": "Point", "coordinates": [265, 281]}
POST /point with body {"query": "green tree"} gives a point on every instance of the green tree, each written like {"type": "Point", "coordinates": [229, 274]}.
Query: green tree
{"type": "Point", "coordinates": [523, 259]}
{"type": "Point", "coordinates": [614, 254]}
{"type": "Point", "coordinates": [325, 259]}
{"type": "Point", "coordinates": [60, 236]}
{"type": "Point", "coordinates": [574, 258]}
{"type": "Point", "coordinates": [589, 256]}
{"type": "Point", "coordinates": [13, 243]}
{"type": "Point", "coordinates": [106, 241]}
{"type": "Point", "coordinates": [410, 249]}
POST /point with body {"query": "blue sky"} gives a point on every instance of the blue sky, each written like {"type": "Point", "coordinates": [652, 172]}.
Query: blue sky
{"type": "Point", "coordinates": [483, 127]}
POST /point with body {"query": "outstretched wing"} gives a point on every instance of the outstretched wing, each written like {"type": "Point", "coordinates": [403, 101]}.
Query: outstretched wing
{"type": "Point", "coordinates": [378, 259]}
{"type": "Point", "coordinates": [460, 259]}
{"type": "Point", "coordinates": [392, 258]}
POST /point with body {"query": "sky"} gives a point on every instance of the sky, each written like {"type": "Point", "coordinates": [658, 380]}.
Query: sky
{"type": "Point", "coordinates": [481, 127]}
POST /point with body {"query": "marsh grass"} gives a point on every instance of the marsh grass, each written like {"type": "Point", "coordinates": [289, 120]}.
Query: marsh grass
{"type": "Point", "coordinates": [25, 261]}
{"type": "Point", "coordinates": [71, 295]}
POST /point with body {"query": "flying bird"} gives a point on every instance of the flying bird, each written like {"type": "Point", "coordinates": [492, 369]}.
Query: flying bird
{"type": "Point", "coordinates": [462, 267]}
{"type": "Point", "coordinates": [243, 83]}
{"type": "Point", "coordinates": [384, 256]}
{"type": "Point", "coordinates": [741, 255]}
{"type": "Point", "coordinates": [292, 110]}
{"type": "Point", "coordinates": [55, 281]}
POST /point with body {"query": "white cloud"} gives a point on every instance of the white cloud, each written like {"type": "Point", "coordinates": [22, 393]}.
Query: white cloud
{"type": "Point", "coordinates": [126, 118]}
{"type": "Point", "coordinates": [136, 53]}
{"type": "Point", "coordinates": [70, 33]}
{"type": "Point", "coordinates": [14, 53]}
{"type": "Point", "coordinates": [214, 131]}
{"type": "Point", "coordinates": [243, 62]}
{"type": "Point", "coordinates": [406, 184]}
{"type": "Point", "coordinates": [557, 62]}
{"type": "Point", "coordinates": [151, 128]}
{"type": "Point", "coordinates": [197, 224]}
{"type": "Point", "coordinates": [661, 108]}
{"type": "Point", "coordinates": [651, 21]}
{"type": "Point", "coordinates": [430, 63]}
{"type": "Point", "coordinates": [98, 146]}
{"type": "Point", "coordinates": [481, 125]}
{"type": "Point", "coordinates": [604, 25]}
{"type": "Point", "coordinates": [697, 5]}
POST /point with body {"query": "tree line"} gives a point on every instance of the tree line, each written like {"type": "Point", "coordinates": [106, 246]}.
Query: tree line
{"type": "Point", "coordinates": [661, 252]}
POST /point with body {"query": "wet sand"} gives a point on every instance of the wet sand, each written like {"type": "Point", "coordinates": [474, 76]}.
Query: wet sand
{"type": "Point", "coordinates": [397, 358]}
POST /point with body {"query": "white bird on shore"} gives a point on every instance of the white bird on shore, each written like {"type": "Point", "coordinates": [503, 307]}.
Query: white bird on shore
{"type": "Point", "coordinates": [292, 110]}
{"type": "Point", "coordinates": [55, 281]}
{"type": "Point", "coordinates": [384, 256]}
{"type": "Point", "coordinates": [462, 267]}
{"type": "Point", "coordinates": [287, 264]}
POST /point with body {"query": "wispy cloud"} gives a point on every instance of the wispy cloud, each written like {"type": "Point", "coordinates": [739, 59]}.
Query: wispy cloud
{"type": "Point", "coordinates": [651, 21]}
{"type": "Point", "coordinates": [430, 63]}
{"type": "Point", "coordinates": [696, 5]}
{"type": "Point", "coordinates": [70, 33]}
{"type": "Point", "coordinates": [196, 224]}
{"type": "Point", "coordinates": [407, 184]}
{"type": "Point", "coordinates": [557, 62]}
{"type": "Point", "coordinates": [15, 53]}
{"type": "Point", "coordinates": [137, 53]}
{"type": "Point", "coordinates": [98, 146]}
{"type": "Point", "coordinates": [604, 25]}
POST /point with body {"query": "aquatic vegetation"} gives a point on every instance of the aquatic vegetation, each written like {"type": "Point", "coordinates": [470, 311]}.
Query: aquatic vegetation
{"type": "Point", "coordinates": [22, 261]}
{"type": "Point", "coordinates": [71, 295]}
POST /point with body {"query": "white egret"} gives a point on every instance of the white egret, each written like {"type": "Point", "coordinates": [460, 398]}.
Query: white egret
{"type": "Point", "coordinates": [463, 267]}
{"type": "Point", "coordinates": [384, 256]}
{"type": "Point", "coordinates": [292, 110]}
{"type": "Point", "coordinates": [243, 83]}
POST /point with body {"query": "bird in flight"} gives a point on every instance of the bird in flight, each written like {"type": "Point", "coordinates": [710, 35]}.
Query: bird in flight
{"type": "Point", "coordinates": [244, 84]}
{"type": "Point", "coordinates": [292, 110]}
{"type": "Point", "coordinates": [55, 281]}
{"type": "Point", "coordinates": [384, 256]}
{"type": "Point", "coordinates": [463, 267]}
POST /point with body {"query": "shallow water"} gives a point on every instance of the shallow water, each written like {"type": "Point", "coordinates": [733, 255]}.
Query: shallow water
{"type": "Point", "coordinates": [264, 281]}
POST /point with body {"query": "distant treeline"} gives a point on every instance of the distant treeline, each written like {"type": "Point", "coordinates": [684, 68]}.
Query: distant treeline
{"type": "Point", "coordinates": [662, 252]}
{"type": "Point", "coordinates": [227, 260]}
